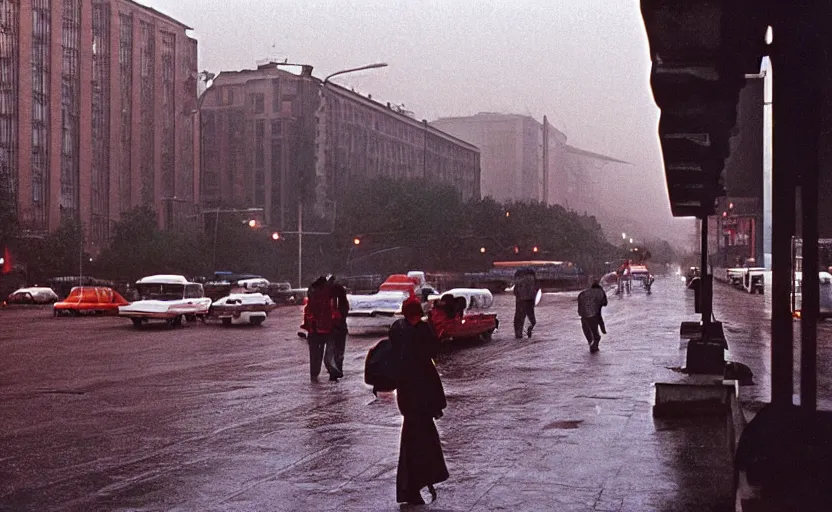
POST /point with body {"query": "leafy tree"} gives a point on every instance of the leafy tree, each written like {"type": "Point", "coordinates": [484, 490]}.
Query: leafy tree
{"type": "Point", "coordinates": [52, 255]}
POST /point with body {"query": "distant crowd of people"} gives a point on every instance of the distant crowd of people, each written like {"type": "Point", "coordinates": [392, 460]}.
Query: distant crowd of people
{"type": "Point", "coordinates": [404, 362]}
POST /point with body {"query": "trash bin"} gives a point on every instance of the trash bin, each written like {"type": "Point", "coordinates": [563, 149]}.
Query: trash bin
{"type": "Point", "coordinates": [707, 354]}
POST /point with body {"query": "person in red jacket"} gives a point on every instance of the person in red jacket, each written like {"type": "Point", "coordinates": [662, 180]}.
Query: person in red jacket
{"type": "Point", "coordinates": [319, 321]}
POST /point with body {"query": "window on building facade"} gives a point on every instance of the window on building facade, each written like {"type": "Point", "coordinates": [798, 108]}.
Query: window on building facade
{"type": "Point", "coordinates": [168, 142]}
{"type": "Point", "coordinates": [9, 92]}
{"type": "Point", "coordinates": [276, 95]}
{"type": "Point", "coordinates": [259, 143]}
{"type": "Point", "coordinates": [290, 87]}
{"type": "Point", "coordinates": [41, 102]}
{"type": "Point", "coordinates": [125, 64]}
{"type": "Point", "coordinates": [100, 168]}
{"type": "Point", "coordinates": [227, 96]}
{"type": "Point", "coordinates": [277, 178]}
{"type": "Point", "coordinates": [147, 96]}
{"type": "Point", "coordinates": [257, 102]}
{"type": "Point", "coordinates": [277, 128]}
{"type": "Point", "coordinates": [70, 109]}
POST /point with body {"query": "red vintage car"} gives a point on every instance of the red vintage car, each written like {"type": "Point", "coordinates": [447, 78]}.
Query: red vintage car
{"type": "Point", "coordinates": [454, 322]}
{"type": "Point", "coordinates": [91, 300]}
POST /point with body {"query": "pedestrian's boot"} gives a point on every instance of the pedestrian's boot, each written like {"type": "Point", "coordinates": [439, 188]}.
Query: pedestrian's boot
{"type": "Point", "coordinates": [518, 335]}
{"type": "Point", "coordinates": [529, 331]}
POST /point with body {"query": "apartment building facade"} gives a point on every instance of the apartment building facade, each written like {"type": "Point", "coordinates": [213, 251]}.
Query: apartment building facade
{"type": "Point", "coordinates": [276, 136]}
{"type": "Point", "coordinates": [97, 102]}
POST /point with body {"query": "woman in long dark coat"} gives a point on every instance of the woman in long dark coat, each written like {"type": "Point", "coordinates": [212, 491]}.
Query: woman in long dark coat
{"type": "Point", "coordinates": [421, 399]}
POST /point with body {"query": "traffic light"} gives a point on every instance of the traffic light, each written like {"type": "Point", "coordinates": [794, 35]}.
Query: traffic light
{"type": "Point", "coordinates": [482, 250]}
{"type": "Point", "coordinates": [275, 236]}
{"type": "Point", "coordinates": [536, 249]}
{"type": "Point", "coordinates": [516, 249]}
{"type": "Point", "coordinates": [356, 241]}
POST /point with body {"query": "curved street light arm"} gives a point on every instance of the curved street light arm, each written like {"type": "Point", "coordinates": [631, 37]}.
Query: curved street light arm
{"type": "Point", "coordinates": [351, 70]}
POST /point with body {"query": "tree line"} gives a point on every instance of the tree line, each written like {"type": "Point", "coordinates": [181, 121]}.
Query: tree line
{"type": "Point", "coordinates": [382, 226]}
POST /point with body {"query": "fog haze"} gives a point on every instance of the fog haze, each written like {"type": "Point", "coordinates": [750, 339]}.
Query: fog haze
{"type": "Point", "coordinates": [584, 63]}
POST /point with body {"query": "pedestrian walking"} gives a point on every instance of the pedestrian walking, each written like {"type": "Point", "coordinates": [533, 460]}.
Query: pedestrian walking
{"type": "Point", "coordinates": [590, 302]}
{"type": "Point", "coordinates": [318, 321]}
{"type": "Point", "coordinates": [334, 355]}
{"type": "Point", "coordinates": [525, 293]}
{"type": "Point", "coordinates": [421, 400]}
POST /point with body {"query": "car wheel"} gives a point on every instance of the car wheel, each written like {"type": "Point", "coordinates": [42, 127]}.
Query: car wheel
{"type": "Point", "coordinates": [226, 322]}
{"type": "Point", "coordinates": [137, 322]}
{"type": "Point", "coordinates": [257, 320]}
{"type": "Point", "coordinates": [176, 321]}
{"type": "Point", "coordinates": [190, 318]}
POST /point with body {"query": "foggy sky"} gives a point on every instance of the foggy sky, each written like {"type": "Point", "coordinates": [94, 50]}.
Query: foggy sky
{"type": "Point", "coordinates": [584, 63]}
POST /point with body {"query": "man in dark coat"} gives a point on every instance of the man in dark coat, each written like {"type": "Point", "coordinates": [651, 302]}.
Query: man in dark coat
{"type": "Point", "coordinates": [525, 294]}
{"type": "Point", "coordinates": [421, 399]}
{"type": "Point", "coordinates": [336, 348]}
{"type": "Point", "coordinates": [590, 302]}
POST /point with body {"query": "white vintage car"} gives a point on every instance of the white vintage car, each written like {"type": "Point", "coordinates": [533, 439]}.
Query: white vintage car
{"type": "Point", "coordinates": [169, 298]}
{"type": "Point", "coordinates": [374, 312]}
{"type": "Point", "coordinates": [242, 308]}
{"type": "Point", "coordinates": [34, 295]}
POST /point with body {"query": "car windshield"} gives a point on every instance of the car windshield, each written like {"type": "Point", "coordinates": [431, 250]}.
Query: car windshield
{"type": "Point", "coordinates": [160, 291]}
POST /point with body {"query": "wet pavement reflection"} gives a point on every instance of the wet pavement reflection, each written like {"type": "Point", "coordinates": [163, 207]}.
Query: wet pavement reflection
{"type": "Point", "coordinates": [100, 416]}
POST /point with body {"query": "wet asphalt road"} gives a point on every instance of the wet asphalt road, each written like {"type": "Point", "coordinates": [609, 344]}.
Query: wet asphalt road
{"type": "Point", "coordinates": [99, 416]}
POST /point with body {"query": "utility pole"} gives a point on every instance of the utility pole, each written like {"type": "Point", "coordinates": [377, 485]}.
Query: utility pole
{"type": "Point", "coordinates": [300, 243]}
{"type": "Point", "coordinates": [545, 160]}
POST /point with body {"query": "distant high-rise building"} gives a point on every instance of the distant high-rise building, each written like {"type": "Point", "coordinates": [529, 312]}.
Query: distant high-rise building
{"type": "Point", "coordinates": [276, 136]}
{"type": "Point", "coordinates": [96, 113]}
{"type": "Point", "coordinates": [526, 160]}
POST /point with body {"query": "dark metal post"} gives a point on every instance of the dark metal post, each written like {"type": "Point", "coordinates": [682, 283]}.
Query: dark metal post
{"type": "Point", "coordinates": [809, 159]}
{"type": "Point", "coordinates": [783, 218]}
{"type": "Point", "coordinates": [705, 280]}
{"type": "Point", "coordinates": [810, 303]}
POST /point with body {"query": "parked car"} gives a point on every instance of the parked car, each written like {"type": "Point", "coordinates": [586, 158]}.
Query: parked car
{"type": "Point", "coordinates": [242, 308]}
{"type": "Point", "coordinates": [168, 298]}
{"type": "Point", "coordinates": [33, 295]}
{"type": "Point", "coordinates": [91, 300]}
{"type": "Point", "coordinates": [467, 319]}
{"type": "Point", "coordinates": [379, 310]}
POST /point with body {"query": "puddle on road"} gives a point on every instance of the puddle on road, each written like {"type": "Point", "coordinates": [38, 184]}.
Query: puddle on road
{"type": "Point", "coordinates": [62, 392]}
{"type": "Point", "coordinates": [564, 425]}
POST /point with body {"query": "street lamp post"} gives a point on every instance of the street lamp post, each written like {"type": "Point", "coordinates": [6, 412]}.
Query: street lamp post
{"type": "Point", "coordinates": [300, 199]}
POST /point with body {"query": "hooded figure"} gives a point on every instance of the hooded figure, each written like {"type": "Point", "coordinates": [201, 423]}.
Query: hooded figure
{"type": "Point", "coordinates": [590, 302]}
{"type": "Point", "coordinates": [525, 292]}
{"type": "Point", "coordinates": [421, 399]}
{"type": "Point", "coordinates": [334, 356]}
{"type": "Point", "coordinates": [319, 321]}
